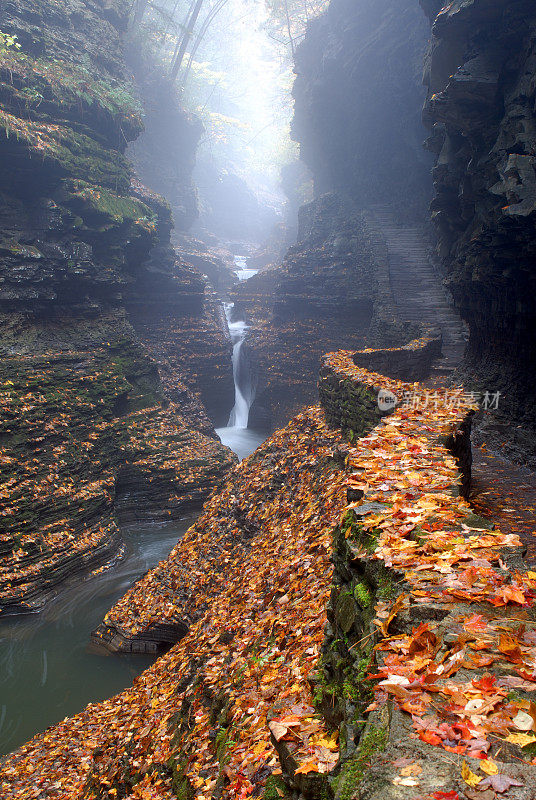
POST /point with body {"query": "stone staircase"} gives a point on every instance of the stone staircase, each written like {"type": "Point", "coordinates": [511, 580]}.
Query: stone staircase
{"type": "Point", "coordinates": [417, 289]}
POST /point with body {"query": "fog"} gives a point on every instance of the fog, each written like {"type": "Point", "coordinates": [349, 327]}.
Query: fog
{"type": "Point", "coordinates": [237, 79]}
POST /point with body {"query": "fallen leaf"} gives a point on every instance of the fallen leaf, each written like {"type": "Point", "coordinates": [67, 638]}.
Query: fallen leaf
{"type": "Point", "coordinates": [500, 783]}
{"type": "Point", "coordinates": [469, 777]}
{"type": "Point", "coordinates": [523, 721]}
{"type": "Point", "coordinates": [522, 739]}
{"type": "Point", "coordinates": [309, 766]}
{"type": "Point", "coordinates": [398, 781]}
{"type": "Point", "coordinates": [395, 608]}
{"type": "Point", "coordinates": [278, 731]}
{"type": "Point", "coordinates": [489, 766]}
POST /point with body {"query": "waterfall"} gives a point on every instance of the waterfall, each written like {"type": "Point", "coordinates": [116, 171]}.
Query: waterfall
{"type": "Point", "coordinates": [244, 394]}
{"type": "Point", "coordinates": [241, 439]}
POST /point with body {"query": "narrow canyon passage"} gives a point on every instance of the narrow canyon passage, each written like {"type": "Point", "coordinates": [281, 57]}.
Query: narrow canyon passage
{"type": "Point", "coordinates": [264, 533]}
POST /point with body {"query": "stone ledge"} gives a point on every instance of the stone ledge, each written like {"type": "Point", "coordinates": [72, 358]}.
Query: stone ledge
{"type": "Point", "coordinates": [408, 520]}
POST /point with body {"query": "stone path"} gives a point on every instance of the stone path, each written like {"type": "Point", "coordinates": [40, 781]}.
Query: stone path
{"type": "Point", "coordinates": [502, 491]}
{"type": "Point", "coordinates": [505, 493]}
{"type": "Point", "coordinates": [416, 286]}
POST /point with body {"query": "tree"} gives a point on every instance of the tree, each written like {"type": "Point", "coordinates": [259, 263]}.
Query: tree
{"type": "Point", "coordinates": [289, 19]}
{"type": "Point", "coordinates": [187, 35]}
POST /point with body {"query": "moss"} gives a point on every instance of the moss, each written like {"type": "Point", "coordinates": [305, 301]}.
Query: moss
{"type": "Point", "coordinates": [363, 595]}
{"type": "Point", "coordinates": [475, 521]}
{"type": "Point", "coordinates": [72, 153]}
{"type": "Point", "coordinates": [387, 588]}
{"type": "Point", "coordinates": [276, 789]}
{"type": "Point", "coordinates": [514, 697]}
{"type": "Point", "coordinates": [353, 530]}
{"type": "Point", "coordinates": [68, 85]}
{"type": "Point", "coordinates": [346, 612]}
{"type": "Point", "coordinates": [373, 742]}
{"type": "Point", "coordinates": [180, 785]}
{"type": "Point", "coordinates": [108, 207]}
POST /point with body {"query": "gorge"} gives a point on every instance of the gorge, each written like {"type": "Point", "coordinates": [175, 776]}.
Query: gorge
{"type": "Point", "coordinates": [267, 492]}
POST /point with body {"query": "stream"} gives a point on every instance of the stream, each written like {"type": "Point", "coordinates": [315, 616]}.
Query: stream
{"type": "Point", "coordinates": [236, 435]}
{"type": "Point", "coordinates": [47, 669]}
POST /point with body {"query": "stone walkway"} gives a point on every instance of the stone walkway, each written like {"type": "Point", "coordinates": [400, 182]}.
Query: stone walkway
{"type": "Point", "coordinates": [416, 286]}
{"type": "Point", "coordinates": [502, 491]}
{"type": "Point", "coordinates": [505, 493]}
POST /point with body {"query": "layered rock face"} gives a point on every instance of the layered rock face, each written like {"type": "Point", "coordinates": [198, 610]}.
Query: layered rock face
{"type": "Point", "coordinates": [481, 100]}
{"type": "Point", "coordinates": [358, 98]}
{"type": "Point", "coordinates": [332, 290]}
{"type": "Point", "coordinates": [83, 258]}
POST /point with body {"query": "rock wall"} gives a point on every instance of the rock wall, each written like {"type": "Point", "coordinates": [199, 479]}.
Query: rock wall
{"type": "Point", "coordinates": [481, 97]}
{"type": "Point", "coordinates": [83, 256]}
{"type": "Point", "coordinates": [332, 290]}
{"type": "Point", "coordinates": [358, 97]}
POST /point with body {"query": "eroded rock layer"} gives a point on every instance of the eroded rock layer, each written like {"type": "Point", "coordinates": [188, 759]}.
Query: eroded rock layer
{"type": "Point", "coordinates": [332, 290]}
{"type": "Point", "coordinates": [481, 99]}
{"type": "Point", "coordinates": [84, 255]}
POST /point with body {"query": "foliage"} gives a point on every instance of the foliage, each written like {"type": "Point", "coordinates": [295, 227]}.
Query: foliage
{"type": "Point", "coordinates": [8, 41]}
{"type": "Point", "coordinates": [69, 84]}
{"type": "Point", "coordinates": [254, 574]}
{"type": "Point", "coordinates": [289, 19]}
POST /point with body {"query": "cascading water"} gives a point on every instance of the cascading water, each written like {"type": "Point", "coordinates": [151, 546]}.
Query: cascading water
{"type": "Point", "coordinates": [241, 439]}
{"type": "Point", "coordinates": [244, 394]}
{"type": "Point", "coordinates": [243, 272]}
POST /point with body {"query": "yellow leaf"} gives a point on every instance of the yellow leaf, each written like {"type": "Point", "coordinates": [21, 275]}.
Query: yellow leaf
{"type": "Point", "coordinates": [469, 777]}
{"type": "Point", "coordinates": [324, 741]}
{"type": "Point", "coordinates": [522, 739]}
{"type": "Point", "coordinates": [489, 767]}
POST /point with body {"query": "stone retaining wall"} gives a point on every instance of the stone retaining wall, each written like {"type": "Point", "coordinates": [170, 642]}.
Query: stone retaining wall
{"type": "Point", "coordinates": [409, 363]}
{"type": "Point", "coordinates": [350, 381]}
{"type": "Point", "coordinates": [376, 594]}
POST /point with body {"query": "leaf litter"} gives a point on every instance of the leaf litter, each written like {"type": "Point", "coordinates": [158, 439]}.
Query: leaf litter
{"type": "Point", "coordinates": [251, 651]}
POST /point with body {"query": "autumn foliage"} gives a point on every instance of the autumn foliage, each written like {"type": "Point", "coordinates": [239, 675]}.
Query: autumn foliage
{"type": "Point", "coordinates": [253, 577]}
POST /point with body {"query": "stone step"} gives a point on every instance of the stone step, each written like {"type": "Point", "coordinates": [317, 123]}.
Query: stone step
{"type": "Point", "coordinates": [417, 289]}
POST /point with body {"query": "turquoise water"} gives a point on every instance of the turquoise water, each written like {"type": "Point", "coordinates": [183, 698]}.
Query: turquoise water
{"type": "Point", "coordinates": [47, 669]}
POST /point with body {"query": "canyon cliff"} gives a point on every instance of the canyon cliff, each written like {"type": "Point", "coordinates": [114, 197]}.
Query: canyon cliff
{"type": "Point", "coordinates": [102, 382]}
{"type": "Point", "coordinates": [348, 282]}
{"type": "Point", "coordinates": [480, 72]}
{"type": "Point", "coordinates": [332, 289]}
{"type": "Point", "coordinates": [358, 97]}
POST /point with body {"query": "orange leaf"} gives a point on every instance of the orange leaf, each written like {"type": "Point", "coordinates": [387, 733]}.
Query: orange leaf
{"type": "Point", "coordinates": [309, 766]}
